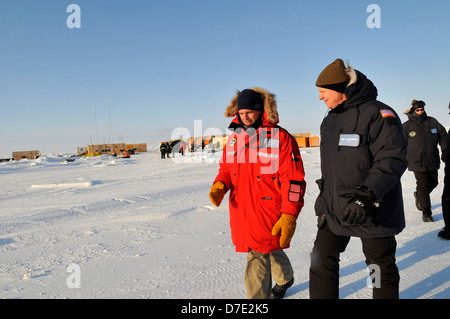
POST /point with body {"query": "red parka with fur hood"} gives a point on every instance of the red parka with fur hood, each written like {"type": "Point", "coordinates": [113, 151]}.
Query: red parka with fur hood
{"type": "Point", "coordinates": [262, 168]}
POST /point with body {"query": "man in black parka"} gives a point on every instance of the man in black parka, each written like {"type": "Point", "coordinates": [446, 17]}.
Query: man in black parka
{"type": "Point", "coordinates": [423, 134]}
{"type": "Point", "coordinates": [363, 156]}
{"type": "Point", "coordinates": [445, 233]}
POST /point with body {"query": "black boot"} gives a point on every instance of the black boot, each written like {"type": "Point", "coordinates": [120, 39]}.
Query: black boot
{"type": "Point", "coordinates": [417, 201]}
{"type": "Point", "coordinates": [279, 291]}
{"type": "Point", "coordinates": [444, 234]}
{"type": "Point", "coordinates": [426, 215]}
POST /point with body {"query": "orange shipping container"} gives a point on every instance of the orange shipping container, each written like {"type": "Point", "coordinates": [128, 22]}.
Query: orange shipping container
{"type": "Point", "coordinates": [302, 141]}
{"type": "Point", "coordinates": [314, 141]}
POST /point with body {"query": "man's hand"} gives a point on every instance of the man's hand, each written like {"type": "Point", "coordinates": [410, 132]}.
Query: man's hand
{"type": "Point", "coordinates": [360, 207]}
{"type": "Point", "coordinates": [356, 212]}
{"type": "Point", "coordinates": [286, 225]}
{"type": "Point", "coordinates": [217, 193]}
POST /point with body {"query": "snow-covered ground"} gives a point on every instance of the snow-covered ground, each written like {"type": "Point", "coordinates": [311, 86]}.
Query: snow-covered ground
{"type": "Point", "coordinates": [144, 227]}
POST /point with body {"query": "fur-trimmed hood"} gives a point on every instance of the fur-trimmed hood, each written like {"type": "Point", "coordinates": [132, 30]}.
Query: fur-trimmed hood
{"type": "Point", "coordinates": [359, 89]}
{"type": "Point", "coordinates": [270, 106]}
{"type": "Point", "coordinates": [351, 74]}
{"type": "Point", "coordinates": [414, 105]}
{"type": "Point", "coordinates": [410, 112]}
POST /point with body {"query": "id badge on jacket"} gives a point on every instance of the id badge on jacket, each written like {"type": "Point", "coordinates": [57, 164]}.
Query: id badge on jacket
{"type": "Point", "coordinates": [351, 140]}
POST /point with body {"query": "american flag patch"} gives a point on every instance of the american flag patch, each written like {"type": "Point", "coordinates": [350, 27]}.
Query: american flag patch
{"type": "Point", "coordinates": [387, 113]}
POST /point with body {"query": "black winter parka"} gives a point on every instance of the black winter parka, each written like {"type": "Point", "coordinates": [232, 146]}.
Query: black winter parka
{"type": "Point", "coordinates": [362, 145]}
{"type": "Point", "coordinates": [423, 134]}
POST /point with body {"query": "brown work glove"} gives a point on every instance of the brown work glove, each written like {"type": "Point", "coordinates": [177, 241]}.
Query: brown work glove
{"type": "Point", "coordinates": [217, 193]}
{"type": "Point", "coordinates": [286, 224]}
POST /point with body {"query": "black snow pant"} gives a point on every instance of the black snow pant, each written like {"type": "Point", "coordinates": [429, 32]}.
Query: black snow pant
{"type": "Point", "coordinates": [446, 199]}
{"type": "Point", "coordinates": [324, 270]}
{"type": "Point", "coordinates": [425, 183]}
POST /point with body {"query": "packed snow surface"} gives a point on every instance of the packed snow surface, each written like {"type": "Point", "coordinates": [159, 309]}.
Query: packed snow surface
{"type": "Point", "coordinates": [143, 227]}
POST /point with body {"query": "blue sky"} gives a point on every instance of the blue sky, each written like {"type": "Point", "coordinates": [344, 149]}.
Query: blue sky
{"type": "Point", "coordinates": [161, 65]}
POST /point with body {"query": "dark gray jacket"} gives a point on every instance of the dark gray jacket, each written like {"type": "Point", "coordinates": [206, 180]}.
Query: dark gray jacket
{"type": "Point", "coordinates": [362, 144]}
{"type": "Point", "coordinates": [423, 134]}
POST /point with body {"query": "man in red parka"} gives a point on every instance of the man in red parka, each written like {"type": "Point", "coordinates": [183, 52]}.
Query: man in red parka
{"type": "Point", "coordinates": [262, 168]}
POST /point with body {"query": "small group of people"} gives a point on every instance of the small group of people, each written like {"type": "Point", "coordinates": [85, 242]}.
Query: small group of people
{"type": "Point", "coordinates": [364, 153]}
{"type": "Point", "coordinates": [166, 148]}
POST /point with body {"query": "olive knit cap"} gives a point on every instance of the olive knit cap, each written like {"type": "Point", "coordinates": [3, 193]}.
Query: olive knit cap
{"type": "Point", "coordinates": [334, 76]}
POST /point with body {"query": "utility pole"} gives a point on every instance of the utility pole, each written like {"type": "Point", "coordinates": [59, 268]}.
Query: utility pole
{"type": "Point", "coordinates": [96, 127]}
{"type": "Point", "coordinates": [110, 126]}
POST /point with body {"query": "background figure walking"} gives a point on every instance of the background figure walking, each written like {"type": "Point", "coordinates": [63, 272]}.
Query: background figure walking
{"type": "Point", "coordinates": [423, 135]}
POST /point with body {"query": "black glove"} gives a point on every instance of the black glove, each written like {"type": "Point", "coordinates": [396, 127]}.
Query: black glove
{"type": "Point", "coordinates": [359, 208]}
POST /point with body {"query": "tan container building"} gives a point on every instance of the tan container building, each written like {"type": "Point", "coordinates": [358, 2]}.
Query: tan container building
{"type": "Point", "coordinates": [138, 148]}
{"type": "Point", "coordinates": [101, 149]}
{"type": "Point", "coordinates": [17, 156]}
